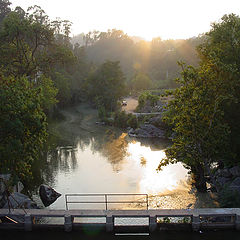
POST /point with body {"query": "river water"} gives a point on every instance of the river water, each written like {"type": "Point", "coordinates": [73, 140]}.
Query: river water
{"type": "Point", "coordinates": [84, 157]}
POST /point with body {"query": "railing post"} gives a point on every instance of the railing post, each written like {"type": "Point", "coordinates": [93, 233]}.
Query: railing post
{"type": "Point", "coordinates": [28, 222]}
{"type": "Point", "coordinates": [195, 223]}
{"type": "Point", "coordinates": [66, 201]}
{"type": "Point", "coordinates": [147, 201]}
{"type": "Point", "coordinates": [106, 201]}
{"type": "Point", "coordinates": [152, 223]}
{"type": "Point", "coordinates": [109, 223]}
{"type": "Point", "coordinates": [237, 222]}
{"type": "Point", "coordinates": [68, 223]}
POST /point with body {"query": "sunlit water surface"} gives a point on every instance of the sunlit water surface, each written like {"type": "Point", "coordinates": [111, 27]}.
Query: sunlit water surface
{"type": "Point", "coordinates": [96, 161]}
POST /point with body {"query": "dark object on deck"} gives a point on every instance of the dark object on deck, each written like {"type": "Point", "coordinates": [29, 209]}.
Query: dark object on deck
{"type": "Point", "coordinates": [48, 195]}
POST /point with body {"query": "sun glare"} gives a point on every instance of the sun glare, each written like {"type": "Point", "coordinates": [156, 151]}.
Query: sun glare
{"type": "Point", "coordinates": [169, 178]}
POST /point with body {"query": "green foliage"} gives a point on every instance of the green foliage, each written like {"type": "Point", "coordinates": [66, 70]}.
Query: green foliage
{"type": "Point", "coordinates": [124, 120]}
{"type": "Point", "coordinates": [106, 85]}
{"type": "Point", "coordinates": [147, 97]}
{"type": "Point", "coordinates": [132, 121]}
{"type": "Point", "coordinates": [201, 136]}
{"type": "Point", "coordinates": [62, 83]}
{"type": "Point", "coordinates": [222, 50]}
{"type": "Point", "coordinates": [22, 125]}
{"type": "Point", "coordinates": [141, 82]}
{"type": "Point", "coordinates": [48, 91]}
{"type": "Point", "coordinates": [25, 41]}
{"type": "Point", "coordinates": [121, 119]}
{"type": "Point", "coordinates": [4, 9]}
{"type": "Point", "coordinates": [204, 112]}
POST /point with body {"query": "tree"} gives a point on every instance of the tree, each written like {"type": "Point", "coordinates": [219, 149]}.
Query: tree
{"type": "Point", "coordinates": [141, 81]}
{"type": "Point", "coordinates": [22, 125]}
{"type": "Point", "coordinates": [205, 110]}
{"type": "Point", "coordinates": [4, 9]}
{"type": "Point", "coordinates": [106, 85]}
{"type": "Point", "coordinates": [200, 135]}
{"type": "Point", "coordinates": [27, 40]}
{"type": "Point", "coordinates": [222, 49]}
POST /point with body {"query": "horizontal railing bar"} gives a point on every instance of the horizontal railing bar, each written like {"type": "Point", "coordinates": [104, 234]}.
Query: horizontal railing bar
{"type": "Point", "coordinates": [151, 212]}
{"type": "Point", "coordinates": [102, 194]}
{"type": "Point", "coordinates": [105, 198]}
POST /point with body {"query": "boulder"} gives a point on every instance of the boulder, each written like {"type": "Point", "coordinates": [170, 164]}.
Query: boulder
{"type": "Point", "coordinates": [142, 133]}
{"type": "Point", "coordinates": [236, 182]}
{"type": "Point", "coordinates": [222, 181]}
{"type": "Point", "coordinates": [152, 130]}
{"type": "Point", "coordinates": [147, 131]}
{"type": "Point", "coordinates": [157, 122]}
{"type": "Point", "coordinates": [223, 173]}
{"type": "Point", "coordinates": [48, 195]}
{"type": "Point", "coordinates": [235, 171]}
{"type": "Point", "coordinates": [226, 173]}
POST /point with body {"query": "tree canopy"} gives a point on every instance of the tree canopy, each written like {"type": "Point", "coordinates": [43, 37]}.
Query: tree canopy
{"type": "Point", "coordinates": [22, 125]}
{"type": "Point", "coordinates": [105, 86]}
{"type": "Point", "coordinates": [205, 109]}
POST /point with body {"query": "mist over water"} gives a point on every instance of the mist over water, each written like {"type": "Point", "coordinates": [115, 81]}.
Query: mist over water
{"type": "Point", "coordinates": [100, 159]}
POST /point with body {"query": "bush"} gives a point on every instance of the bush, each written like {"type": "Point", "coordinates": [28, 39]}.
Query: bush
{"type": "Point", "coordinates": [124, 120]}
{"type": "Point", "coordinates": [132, 121]}
{"type": "Point", "coordinates": [120, 119]}
{"type": "Point", "coordinates": [147, 98]}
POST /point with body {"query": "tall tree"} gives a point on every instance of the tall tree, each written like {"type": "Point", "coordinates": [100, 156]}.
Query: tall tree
{"type": "Point", "coordinates": [4, 9]}
{"type": "Point", "coordinates": [22, 125]}
{"type": "Point", "coordinates": [106, 85]}
{"type": "Point", "coordinates": [205, 110]}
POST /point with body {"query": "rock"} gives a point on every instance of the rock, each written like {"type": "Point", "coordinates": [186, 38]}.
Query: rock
{"type": "Point", "coordinates": [235, 171]}
{"type": "Point", "coordinates": [223, 173]}
{"type": "Point", "coordinates": [222, 181]}
{"type": "Point", "coordinates": [48, 195]}
{"type": "Point", "coordinates": [157, 122]}
{"type": "Point", "coordinates": [235, 185]}
{"type": "Point", "coordinates": [226, 173]}
{"type": "Point", "coordinates": [236, 182]}
{"type": "Point", "coordinates": [19, 200]}
{"type": "Point", "coordinates": [3, 179]}
{"type": "Point", "coordinates": [147, 131]}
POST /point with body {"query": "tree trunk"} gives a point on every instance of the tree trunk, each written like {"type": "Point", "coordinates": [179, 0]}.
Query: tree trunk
{"type": "Point", "coordinates": [199, 178]}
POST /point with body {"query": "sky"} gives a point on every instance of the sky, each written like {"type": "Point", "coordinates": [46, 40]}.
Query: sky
{"type": "Point", "coordinates": [168, 19]}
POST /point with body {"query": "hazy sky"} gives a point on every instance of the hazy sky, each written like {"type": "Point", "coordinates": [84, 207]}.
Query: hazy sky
{"type": "Point", "coordinates": [144, 18]}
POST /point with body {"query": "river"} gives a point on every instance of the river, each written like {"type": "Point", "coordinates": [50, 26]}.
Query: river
{"type": "Point", "coordinates": [84, 157]}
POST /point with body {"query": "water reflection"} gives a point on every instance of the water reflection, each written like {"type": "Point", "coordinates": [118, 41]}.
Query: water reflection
{"type": "Point", "coordinates": [115, 151]}
{"type": "Point", "coordinates": [120, 166]}
{"type": "Point", "coordinates": [85, 158]}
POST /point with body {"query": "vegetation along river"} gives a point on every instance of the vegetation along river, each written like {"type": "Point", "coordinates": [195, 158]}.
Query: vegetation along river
{"type": "Point", "coordinates": [84, 157]}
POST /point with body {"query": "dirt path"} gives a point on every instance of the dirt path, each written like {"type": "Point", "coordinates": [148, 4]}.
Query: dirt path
{"type": "Point", "coordinates": [131, 105]}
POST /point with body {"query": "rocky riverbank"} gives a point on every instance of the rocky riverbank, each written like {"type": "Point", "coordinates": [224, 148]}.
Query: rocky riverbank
{"type": "Point", "coordinates": [227, 178]}
{"type": "Point", "coordinates": [147, 131]}
{"type": "Point", "coordinates": [15, 199]}
{"type": "Point", "coordinates": [153, 127]}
